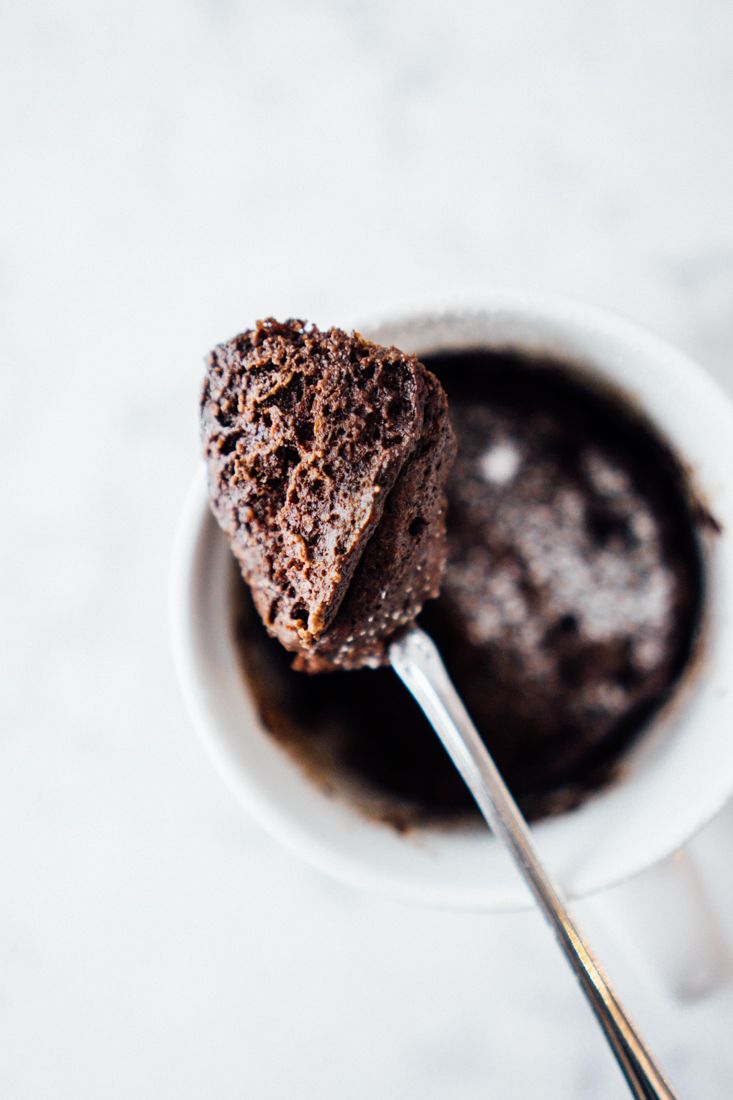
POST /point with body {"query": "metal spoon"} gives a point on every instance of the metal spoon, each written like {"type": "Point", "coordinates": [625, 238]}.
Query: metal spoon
{"type": "Point", "coordinates": [417, 662]}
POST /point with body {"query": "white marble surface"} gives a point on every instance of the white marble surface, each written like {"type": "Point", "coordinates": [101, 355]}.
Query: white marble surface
{"type": "Point", "coordinates": [171, 171]}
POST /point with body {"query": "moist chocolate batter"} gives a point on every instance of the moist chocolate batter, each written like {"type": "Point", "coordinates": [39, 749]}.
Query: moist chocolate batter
{"type": "Point", "coordinates": [568, 610]}
{"type": "Point", "coordinates": [327, 458]}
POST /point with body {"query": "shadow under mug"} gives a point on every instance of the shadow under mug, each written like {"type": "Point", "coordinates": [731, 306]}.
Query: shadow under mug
{"type": "Point", "coordinates": [676, 776]}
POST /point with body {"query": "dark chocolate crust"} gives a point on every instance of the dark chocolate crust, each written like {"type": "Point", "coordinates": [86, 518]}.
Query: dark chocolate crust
{"type": "Point", "coordinates": [327, 457]}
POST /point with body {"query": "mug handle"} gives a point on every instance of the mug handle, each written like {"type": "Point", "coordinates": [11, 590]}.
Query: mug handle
{"type": "Point", "coordinates": [670, 927]}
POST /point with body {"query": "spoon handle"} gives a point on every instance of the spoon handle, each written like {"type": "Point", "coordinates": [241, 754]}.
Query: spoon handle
{"type": "Point", "coordinates": [417, 662]}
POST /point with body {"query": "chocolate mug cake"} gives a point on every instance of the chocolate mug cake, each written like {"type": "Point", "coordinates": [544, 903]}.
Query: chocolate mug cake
{"type": "Point", "coordinates": [569, 607]}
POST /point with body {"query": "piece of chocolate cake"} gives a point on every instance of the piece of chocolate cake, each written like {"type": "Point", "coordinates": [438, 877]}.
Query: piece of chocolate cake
{"type": "Point", "coordinates": [327, 459]}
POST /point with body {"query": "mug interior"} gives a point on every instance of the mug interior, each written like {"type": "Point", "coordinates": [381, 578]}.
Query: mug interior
{"type": "Point", "coordinates": [675, 777]}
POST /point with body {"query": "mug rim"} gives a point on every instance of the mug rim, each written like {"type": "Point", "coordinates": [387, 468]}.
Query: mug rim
{"type": "Point", "coordinates": [196, 526]}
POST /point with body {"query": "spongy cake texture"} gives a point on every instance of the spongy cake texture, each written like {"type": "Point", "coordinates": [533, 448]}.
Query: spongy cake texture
{"type": "Point", "coordinates": [327, 457]}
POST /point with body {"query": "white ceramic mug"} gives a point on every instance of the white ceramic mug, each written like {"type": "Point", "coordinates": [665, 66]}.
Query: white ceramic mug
{"type": "Point", "coordinates": [677, 775]}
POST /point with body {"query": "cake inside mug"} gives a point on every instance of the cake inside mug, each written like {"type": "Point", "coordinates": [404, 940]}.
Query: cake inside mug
{"type": "Point", "coordinates": [570, 606]}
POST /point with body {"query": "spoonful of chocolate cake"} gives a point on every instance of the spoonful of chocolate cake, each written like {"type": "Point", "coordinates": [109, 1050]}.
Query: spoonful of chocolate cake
{"type": "Point", "coordinates": [327, 460]}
